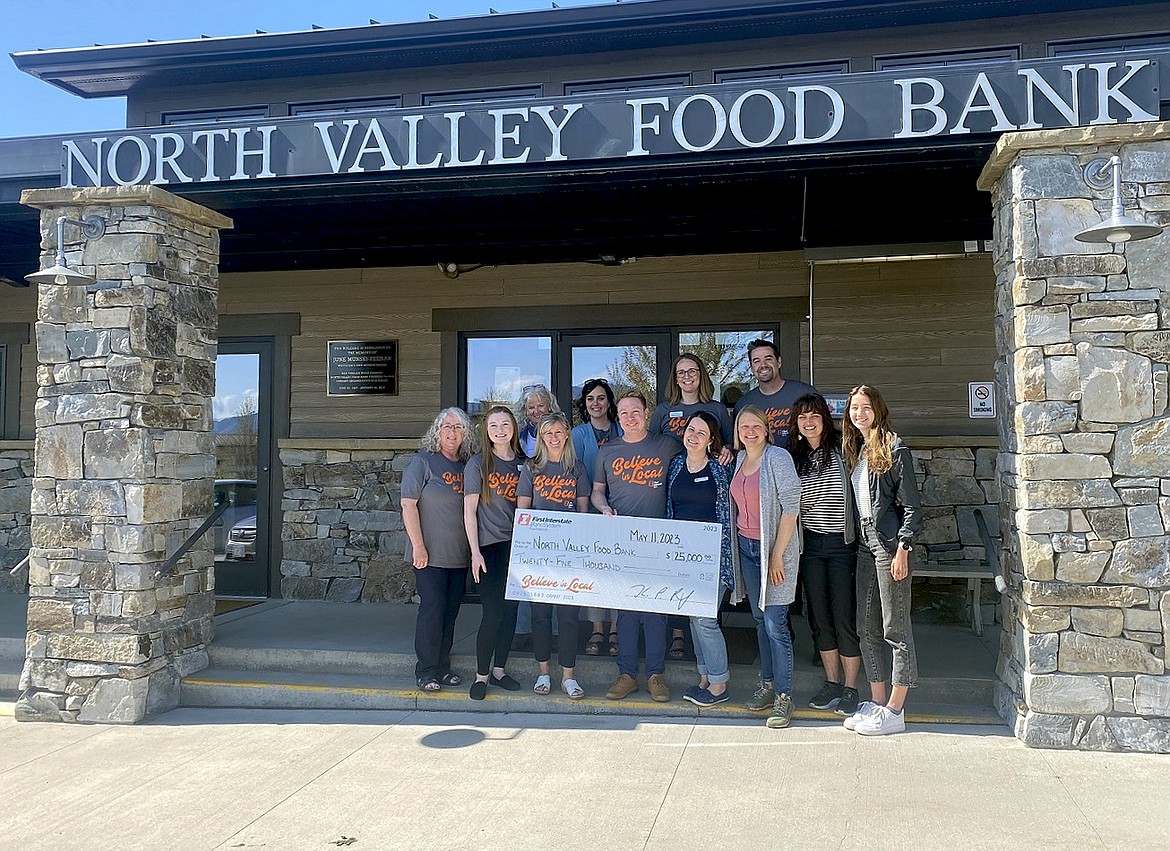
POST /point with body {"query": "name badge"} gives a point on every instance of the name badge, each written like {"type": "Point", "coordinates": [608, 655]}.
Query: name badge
{"type": "Point", "coordinates": [676, 413]}
{"type": "Point", "coordinates": [704, 479]}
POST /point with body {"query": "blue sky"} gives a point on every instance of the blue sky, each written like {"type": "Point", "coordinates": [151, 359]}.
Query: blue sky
{"type": "Point", "coordinates": [32, 108]}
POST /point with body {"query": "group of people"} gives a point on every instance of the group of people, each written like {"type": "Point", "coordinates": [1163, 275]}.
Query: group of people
{"type": "Point", "coordinates": [794, 496]}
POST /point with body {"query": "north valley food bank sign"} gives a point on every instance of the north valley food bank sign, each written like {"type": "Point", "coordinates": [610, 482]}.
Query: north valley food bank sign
{"type": "Point", "coordinates": [759, 115]}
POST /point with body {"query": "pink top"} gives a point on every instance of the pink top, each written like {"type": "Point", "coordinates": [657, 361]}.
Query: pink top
{"type": "Point", "coordinates": [745, 490]}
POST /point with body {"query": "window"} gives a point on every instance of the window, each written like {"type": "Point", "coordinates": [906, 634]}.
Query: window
{"type": "Point", "coordinates": [627, 84]}
{"type": "Point", "coordinates": [12, 337]}
{"type": "Point", "coordinates": [725, 354]}
{"type": "Point", "coordinates": [782, 72]}
{"type": "Point", "coordinates": [483, 95]}
{"type": "Point", "coordinates": [334, 107]}
{"type": "Point", "coordinates": [1153, 42]}
{"type": "Point", "coordinates": [204, 116]}
{"type": "Point", "coordinates": [946, 60]}
{"type": "Point", "coordinates": [500, 369]}
{"type": "Point", "coordinates": [3, 387]}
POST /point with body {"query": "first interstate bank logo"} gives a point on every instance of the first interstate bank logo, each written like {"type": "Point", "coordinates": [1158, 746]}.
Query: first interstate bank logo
{"type": "Point", "coordinates": [523, 518]}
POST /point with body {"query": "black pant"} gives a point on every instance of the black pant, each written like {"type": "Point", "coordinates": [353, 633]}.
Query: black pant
{"type": "Point", "coordinates": [440, 591]}
{"type": "Point", "coordinates": [567, 618]}
{"type": "Point", "coordinates": [828, 566]}
{"type": "Point", "coordinates": [496, 629]}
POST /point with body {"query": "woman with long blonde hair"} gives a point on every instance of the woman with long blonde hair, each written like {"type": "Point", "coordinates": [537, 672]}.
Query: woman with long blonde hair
{"type": "Point", "coordinates": [554, 480]}
{"type": "Point", "coordinates": [882, 476]}
{"type": "Point", "coordinates": [489, 505]}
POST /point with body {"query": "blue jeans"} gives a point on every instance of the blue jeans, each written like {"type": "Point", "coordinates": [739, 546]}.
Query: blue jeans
{"type": "Point", "coordinates": [776, 663]}
{"type": "Point", "coordinates": [710, 649]}
{"type": "Point", "coordinates": [653, 627]}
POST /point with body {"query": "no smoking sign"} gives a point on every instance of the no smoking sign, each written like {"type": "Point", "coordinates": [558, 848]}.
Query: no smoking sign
{"type": "Point", "coordinates": [981, 400]}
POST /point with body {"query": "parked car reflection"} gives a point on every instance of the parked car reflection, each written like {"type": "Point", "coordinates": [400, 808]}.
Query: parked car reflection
{"type": "Point", "coordinates": [241, 543]}
{"type": "Point", "coordinates": [240, 494]}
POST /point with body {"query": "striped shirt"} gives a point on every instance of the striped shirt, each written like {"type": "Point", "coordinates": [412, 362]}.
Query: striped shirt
{"type": "Point", "coordinates": [822, 499]}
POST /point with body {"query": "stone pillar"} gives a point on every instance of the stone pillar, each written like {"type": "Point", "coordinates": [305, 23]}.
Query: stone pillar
{"type": "Point", "coordinates": [124, 459]}
{"type": "Point", "coordinates": [1083, 334]}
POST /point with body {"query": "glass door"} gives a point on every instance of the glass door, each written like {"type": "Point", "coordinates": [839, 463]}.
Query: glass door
{"type": "Point", "coordinates": [242, 428]}
{"type": "Point", "coordinates": [628, 360]}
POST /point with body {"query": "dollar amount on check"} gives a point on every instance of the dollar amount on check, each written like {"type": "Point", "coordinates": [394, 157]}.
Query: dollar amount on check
{"type": "Point", "coordinates": [631, 563]}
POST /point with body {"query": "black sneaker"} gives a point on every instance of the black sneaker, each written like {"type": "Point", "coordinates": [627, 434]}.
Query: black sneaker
{"type": "Point", "coordinates": [847, 705]}
{"type": "Point", "coordinates": [828, 697]}
{"type": "Point", "coordinates": [703, 698]}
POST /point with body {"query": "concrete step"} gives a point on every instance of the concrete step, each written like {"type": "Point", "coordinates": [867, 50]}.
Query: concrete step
{"type": "Point", "coordinates": [600, 670]}
{"type": "Point", "coordinates": [223, 688]}
{"type": "Point", "coordinates": [11, 647]}
{"type": "Point", "coordinates": [10, 674]}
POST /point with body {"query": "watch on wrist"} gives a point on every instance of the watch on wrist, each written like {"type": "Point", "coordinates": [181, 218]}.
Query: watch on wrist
{"type": "Point", "coordinates": [905, 545]}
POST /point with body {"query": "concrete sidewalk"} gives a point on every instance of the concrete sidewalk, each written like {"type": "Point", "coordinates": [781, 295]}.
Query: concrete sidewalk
{"type": "Point", "coordinates": [212, 779]}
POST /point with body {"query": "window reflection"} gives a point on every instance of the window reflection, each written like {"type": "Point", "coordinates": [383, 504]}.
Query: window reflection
{"type": "Point", "coordinates": [725, 354]}
{"type": "Point", "coordinates": [499, 368]}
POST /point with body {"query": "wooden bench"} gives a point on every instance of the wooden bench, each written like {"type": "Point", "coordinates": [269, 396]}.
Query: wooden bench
{"type": "Point", "coordinates": [973, 571]}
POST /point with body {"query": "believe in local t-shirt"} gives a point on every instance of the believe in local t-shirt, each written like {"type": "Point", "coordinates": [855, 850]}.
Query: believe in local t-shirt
{"type": "Point", "coordinates": [552, 487]}
{"type": "Point", "coordinates": [494, 517]}
{"type": "Point", "coordinates": [437, 483]}
{"type": "Point", "coordinates": [635, 474]}
{"type": "Point", "coordinates": [670, 419]}
{"type": "Point", "coordinates": [777, 407]}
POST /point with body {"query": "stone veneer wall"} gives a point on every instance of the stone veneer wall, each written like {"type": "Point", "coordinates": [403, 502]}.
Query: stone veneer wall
{"type": "Point", "coordinates": [954, 483]}
{"type": "Point", "coordinates": [16, 469]}
{"type": "Point", "coordinates": [124, 460]}
{"type": "Point", "coordinates": [1084, 337]}
{"type": "Point", "coordinates": [342, 535]}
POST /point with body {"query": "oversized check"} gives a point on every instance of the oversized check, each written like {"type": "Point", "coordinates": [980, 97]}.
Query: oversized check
{"type": "Point", "coordinates": [632, 563]}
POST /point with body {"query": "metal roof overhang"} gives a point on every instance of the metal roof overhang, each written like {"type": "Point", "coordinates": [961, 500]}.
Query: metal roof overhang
{"type": "Point", "coordinates": [109, 71]}
{"type": "Point", "coordinates": [669, 207]}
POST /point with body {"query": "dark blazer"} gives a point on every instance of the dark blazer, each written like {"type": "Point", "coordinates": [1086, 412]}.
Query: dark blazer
{"type": "Point", "coordinates": [897, 509]}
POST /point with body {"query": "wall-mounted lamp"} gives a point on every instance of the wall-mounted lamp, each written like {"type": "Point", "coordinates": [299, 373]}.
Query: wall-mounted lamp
{"type": "Point", "coordinates": [454, 270]}
{"type": "Point", "coordinates": [1118, 227]}
{"type": "Point", "coordinates": [92, 227]}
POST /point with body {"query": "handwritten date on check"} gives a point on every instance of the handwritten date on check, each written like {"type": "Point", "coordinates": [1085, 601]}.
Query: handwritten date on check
{"type": "Point", "coordinates": [631, 563]}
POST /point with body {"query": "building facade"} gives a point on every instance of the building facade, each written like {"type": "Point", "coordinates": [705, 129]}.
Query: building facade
{"type": "Point", "coordinates": [489, 203]}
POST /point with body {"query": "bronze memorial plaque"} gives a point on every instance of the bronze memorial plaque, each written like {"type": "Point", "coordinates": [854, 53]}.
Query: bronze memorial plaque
{"type": "Point", "coordinates": [363, 368]}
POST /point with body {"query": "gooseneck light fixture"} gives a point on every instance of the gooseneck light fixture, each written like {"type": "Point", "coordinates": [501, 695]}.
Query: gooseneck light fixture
{"type": "Point", "coordinates": [92, 227]}
{"type": "Point", "coordinates": [1118, 227]}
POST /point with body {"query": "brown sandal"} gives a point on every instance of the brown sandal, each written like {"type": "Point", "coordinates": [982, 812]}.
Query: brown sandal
{"type": "Point", "coordinates": [613, 645]}
{"type": "Point", "coordinates": [593, 645]}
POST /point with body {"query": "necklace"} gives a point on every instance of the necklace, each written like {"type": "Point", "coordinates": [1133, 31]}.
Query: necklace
{"type": "Point", "coordinates": [699, 469]}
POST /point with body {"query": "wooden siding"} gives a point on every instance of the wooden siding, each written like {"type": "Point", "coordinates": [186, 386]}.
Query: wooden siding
{"type": "Point", "coordinates": [917, 330]}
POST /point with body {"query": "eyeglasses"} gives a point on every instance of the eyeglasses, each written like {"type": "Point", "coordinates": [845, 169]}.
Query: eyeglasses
{"type": "Point", "coordinates": [687, 373]}
{"type": "Point", "coordinates": [453, 427]}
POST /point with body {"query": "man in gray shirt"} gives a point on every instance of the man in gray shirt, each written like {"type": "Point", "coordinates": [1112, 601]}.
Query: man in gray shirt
{"type": "Point", "coordinates": [773, 394]}
{"type": "Point", "coordinates": [629, 478]}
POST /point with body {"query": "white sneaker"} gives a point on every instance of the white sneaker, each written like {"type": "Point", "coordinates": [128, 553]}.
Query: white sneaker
{"type": "Point", "coordinates": [866, 707]}
{"type": "Point", "coordinates": [883, 722]}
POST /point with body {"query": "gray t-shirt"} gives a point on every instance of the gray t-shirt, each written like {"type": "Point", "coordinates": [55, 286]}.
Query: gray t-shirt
{"type": "Point", "coordinates": [776, 407]}
{"type": "Point", "coordinates": [635, 474]}
{"type": "Point", "coordinates": [670, 419]}
{"type": "Point", "coordinates": [437, 484]}
{"type": "Point", "coordinates": [494, 517]}
{"type": "Point", "coordinates": [553, 488]}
